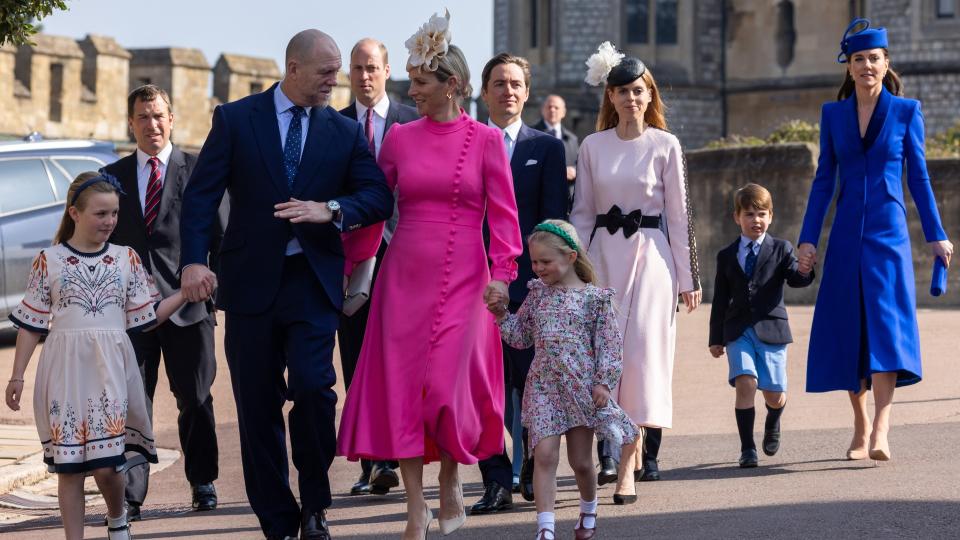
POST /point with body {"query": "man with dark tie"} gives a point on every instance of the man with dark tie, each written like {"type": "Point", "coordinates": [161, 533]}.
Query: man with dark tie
{"type": "Point", "coordinates": [539, 183]}
{"type": "Point", "coordinates": [373, 109]}
{"type": "Point", "coordinates": [154, 177]}
{"type": "Point", "coordinates": [553, 111]}
{"type": "Point", "coordinates": [298, 173]}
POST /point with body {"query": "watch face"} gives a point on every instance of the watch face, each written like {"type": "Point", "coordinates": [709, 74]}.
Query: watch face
{"type": "Point", "coordinates": [333, 206]}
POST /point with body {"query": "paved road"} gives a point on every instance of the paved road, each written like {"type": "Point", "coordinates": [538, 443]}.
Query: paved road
{"type": "Point", "coordinates": [806, 491]}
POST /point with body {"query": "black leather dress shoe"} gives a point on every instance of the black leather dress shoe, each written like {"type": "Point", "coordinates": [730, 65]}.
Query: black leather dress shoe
{"type": "Point", "coordinates": [650, 472]}
{"type": "Point", "coordinates": [749, 459]}
{"type": "Point", "coordinates": [526, 480]}
{"type": "Point", "coordinates": [362, 487]}
{"type": "Point", "coordinates": [133, 512]}
{"type": "Point", "coordinates": [382, 478]}
{"type": "Point", "coordinates": [495, 499]}
{"type": "Point", "coordinates": [771, 440]}
{"type": "Point", "coordinates": [313, 525]}
{"type": "Point", "coordinates": [204, 497]}
{"type": "Point", "coordinates": [608, 471]}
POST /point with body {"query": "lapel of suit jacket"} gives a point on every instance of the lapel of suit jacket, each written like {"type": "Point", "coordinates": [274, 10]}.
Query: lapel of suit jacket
{"type": "Point", "coordinates": [393, 116]}
{"type": "Point", "coordinates": [521, 150]}
{"type": "Point", "coordinates": [131, 184]}
{"type": "Point", "coordinates": [850, 125]}
{"type": "Point", "coordinates": [766, 250]}
{"type": "Point", "coordinates": [314, 149]}
{"type": "Point", "coordinates": [172, 182]}
{"type": "Point", "coordinates": [263, 118]}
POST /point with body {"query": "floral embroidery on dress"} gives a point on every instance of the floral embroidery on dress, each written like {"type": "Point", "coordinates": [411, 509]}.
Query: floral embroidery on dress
{"type": "Point", "coordinates": [91, 287]}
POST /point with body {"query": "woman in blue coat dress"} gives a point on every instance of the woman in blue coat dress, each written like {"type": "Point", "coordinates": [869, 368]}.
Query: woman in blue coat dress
{"type": "Point", "coordinates": [864, 326]}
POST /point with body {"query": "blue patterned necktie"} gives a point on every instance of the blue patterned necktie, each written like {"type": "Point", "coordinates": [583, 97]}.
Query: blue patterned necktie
{"type": "Point", "coordinates": [291, 147]}
{"type": "Point", "coordinates": [751, 261]}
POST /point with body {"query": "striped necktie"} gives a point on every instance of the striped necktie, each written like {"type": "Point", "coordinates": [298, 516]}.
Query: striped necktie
{"type": "Point", "coordinates": [368, 130]}
{"type": "Point", "coordinates": [751, 261]}
{"type": "Point", "coordinates": [151, 203]}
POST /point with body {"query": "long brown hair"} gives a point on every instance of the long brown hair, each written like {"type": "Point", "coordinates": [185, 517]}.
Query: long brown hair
{"type": "Point", "coordinates": [653, 116]}
{"type": "Point", "coordinates": [891, 81]}
{"type": "Point", "coordinates": [67, 226]}
{"type": "Point", "coordinates": [582, 266]}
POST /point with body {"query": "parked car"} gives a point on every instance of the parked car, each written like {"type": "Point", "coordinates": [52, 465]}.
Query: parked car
{"type": "Point", "coordinates": [34, 177]}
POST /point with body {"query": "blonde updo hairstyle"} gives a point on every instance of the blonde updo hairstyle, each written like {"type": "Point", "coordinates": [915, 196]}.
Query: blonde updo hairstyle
{"type": "Point", "coordinates": [582, 265]}
{"type": "Point", "coordinates": [454, 64]}
{"type": "Point", "coordinates": [67, 226]}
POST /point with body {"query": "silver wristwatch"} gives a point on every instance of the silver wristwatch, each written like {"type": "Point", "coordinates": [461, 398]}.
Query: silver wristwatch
{"type": "Point", "coordinates": [334, 207]}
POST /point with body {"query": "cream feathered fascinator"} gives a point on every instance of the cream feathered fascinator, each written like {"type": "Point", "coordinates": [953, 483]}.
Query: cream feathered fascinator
{"type": "Point", "coordinates": [601, 62]}
{"type": "Point", "coordinates": [430, 43]}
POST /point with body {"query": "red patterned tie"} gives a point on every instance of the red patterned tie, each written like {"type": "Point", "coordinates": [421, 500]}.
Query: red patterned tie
{"type": "Point", "coordinates": [151, 204]}
{"type": "Point", "coordinates": [368, 129]}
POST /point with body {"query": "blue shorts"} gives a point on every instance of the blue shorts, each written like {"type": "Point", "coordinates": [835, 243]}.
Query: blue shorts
{"type": "Point", "coordinates": [766, 362]}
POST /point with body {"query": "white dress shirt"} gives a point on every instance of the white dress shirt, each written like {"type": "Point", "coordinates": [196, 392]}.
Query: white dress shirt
{"type": "Point", "coordinates": [511, 132]}
{"type": "Point", "coordinates": [144, 169]}
{"type": "Point", "coordinates": [284, 117]}
{"type": "Point", "coordinates": [380, 110]}
{"type": "Point", "coordinates": [744, 246]}
{"type": "Point", "coordinates": [554, 130]}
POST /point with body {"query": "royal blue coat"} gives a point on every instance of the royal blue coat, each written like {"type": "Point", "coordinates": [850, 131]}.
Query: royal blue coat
{"type": "Point", "coordinates": [865, 318]}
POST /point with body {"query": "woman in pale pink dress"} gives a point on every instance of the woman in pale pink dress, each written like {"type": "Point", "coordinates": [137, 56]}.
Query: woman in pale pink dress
{"type": "Point", "coordinates": [429, 381]}
{"type": "Point", "coordinates": [630, 178]}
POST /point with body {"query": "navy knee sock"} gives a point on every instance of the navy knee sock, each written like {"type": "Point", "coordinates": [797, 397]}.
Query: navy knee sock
{"type": "Point", "coordinates": [773, 418]}
{"type": "Point", "coordinates": [745, 418]}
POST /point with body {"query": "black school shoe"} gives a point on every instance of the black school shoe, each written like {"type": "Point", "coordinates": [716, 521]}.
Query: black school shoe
{"type": "Point", "coordinates": [771, 440]}
{"type": "Point", "coordinates": [749, 458]}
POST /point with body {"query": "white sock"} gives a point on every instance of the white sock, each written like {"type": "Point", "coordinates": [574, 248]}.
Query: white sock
{"type": "Point", "coordinates": [117, 521]}
{"type": "Point", "coordinates": [589, 507]}
{"type": "Point", "coordinates": [545, 520]}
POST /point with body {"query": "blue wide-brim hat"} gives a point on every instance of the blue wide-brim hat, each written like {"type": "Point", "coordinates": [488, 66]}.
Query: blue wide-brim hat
{"type": "Point", "coordinates": [861, 40]}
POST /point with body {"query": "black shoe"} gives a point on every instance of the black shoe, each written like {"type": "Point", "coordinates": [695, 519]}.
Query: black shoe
{"type": "Point", "coordinates": [608, 471]}
{"type": "Point", "coordinates": [526, 480]}
{"type": "Point", "coordinates": [382, 478]}
{"type": "Point", "coordinates": [362, 487]}
{"type": "Point", "coordinates": [624, 499]}
{"type": "Point", "coordinates": [650, 472]}
{"type": "Point", "coordinates": [313, 525]}
{"type": "Point", "coordinates": [771, 440]}
{"type": "Point", "coordinates": [749, 459]}
{"type": "Point", "coordinates": [495, 499]}
{"type": "Point", "coordinates": [280, 537]}
{"type": "Point", "coordinates": [515, 488]}
{"type": "Point", "coordinates": [204, 497]}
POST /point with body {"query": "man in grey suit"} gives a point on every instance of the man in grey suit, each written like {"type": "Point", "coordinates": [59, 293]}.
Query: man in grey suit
{"type": "Point", "coordinates": [369, 71]}
{"type": "Point", "coordinates": [154, 177]}
{"type": "Point", "coordinates": [553, 111]}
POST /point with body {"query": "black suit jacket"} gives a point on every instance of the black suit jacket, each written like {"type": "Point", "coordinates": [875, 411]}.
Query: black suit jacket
{"type": "Point", "coordinates": [160, 251]}
{"type": "Point", "coordinates": [540, 186]}
{"type": "Point", "coordinates": [397, 113]}
{"type": "Point", "coordinates": [739, 303]}
{"type": "Point", "coordinates": [571, 144]}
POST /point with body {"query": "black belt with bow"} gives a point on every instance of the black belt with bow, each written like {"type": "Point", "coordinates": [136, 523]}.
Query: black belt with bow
{"type": "Point", "coordinates": [615, 219]}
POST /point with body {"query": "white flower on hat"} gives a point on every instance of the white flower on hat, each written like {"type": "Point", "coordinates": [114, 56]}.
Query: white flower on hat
{"type": "Point", "coordinates": [430, 43]}
{"type": "Point", "coordinates": [601, 62]}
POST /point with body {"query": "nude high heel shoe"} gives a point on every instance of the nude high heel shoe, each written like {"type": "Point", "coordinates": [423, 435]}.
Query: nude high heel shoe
{"type": "Point", "coordinates": [448, 526]}
{"type": "Point", "coordinates": [428, 514]}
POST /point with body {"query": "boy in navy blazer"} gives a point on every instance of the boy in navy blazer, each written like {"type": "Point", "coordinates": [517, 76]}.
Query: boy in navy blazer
{"type": "Point", "coordinates": [748, 317]}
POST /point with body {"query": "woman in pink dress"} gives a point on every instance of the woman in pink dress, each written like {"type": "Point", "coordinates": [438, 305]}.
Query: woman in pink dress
{"type": "Point", "coordinates": [631, 177]}
{"type": "Point", "coordinates": [429, 381]}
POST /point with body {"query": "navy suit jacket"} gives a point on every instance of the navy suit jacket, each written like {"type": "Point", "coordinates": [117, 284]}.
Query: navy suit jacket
{"type": "Point", "coordinates": [397, 113]}
{"type": "Point", "coordinates": [540, 185]}
{"type": "Point", "coordinates": [739, 302]}
{"type": "Point", "coordinates": [243, 154]}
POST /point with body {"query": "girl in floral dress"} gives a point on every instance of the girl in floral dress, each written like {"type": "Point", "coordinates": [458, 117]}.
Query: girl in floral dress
{"type": "Point", "coordinates": [578, 360]}
{"type": "Point", "coordinates": [88, 402]}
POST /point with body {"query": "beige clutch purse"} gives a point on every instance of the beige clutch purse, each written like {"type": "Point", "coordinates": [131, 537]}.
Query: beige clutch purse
{"type": "Point", "coordinates": [358, 287]}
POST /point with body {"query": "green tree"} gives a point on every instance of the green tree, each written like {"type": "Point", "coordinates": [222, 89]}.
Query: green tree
{"type": "Point", "coordinates": [17, 18]}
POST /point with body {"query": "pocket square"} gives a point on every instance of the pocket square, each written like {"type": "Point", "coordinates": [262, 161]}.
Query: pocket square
{"type": "Point", "coordinates": [531, 162]}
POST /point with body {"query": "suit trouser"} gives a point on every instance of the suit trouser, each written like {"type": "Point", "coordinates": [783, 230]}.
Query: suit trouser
{"type": "Point", "coordinates": [296, 333]}
{"type": "Point", "coordinates": [497, 468]}
{"type": "Point", "coordinates": [350, 338]}
{"type": "Point", "coordinates": [191, 366]}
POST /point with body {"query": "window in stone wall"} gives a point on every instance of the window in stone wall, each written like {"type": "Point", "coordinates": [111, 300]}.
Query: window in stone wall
{"type": "Point", "coordinates": [256, 87]}
{"type": "Point", "coordinates": [143, 81]}
{"type": "Point", "coordinates": [56, 92]}
{"type": "Point", "coordinates": [666, 13]}
{"type": "Point", "coordinates": [534, 24]}
{"type": "Point", "coordinates": [946, 9]}
{"type": "Point", "coordinates": [636, 17]}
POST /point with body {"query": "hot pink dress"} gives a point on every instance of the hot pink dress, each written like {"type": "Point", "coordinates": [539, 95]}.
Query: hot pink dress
{"type": "Point", "coordinates": [429, 380]}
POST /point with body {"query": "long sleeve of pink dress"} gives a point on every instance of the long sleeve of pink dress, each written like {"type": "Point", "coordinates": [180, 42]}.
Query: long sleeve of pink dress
{"type": "Point", "coordinates": [429, 381]}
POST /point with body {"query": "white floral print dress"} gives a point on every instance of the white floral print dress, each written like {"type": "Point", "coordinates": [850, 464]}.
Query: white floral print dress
{"type": "Point", "coordinates": [577, 345]}
{"type": "Point", "coordinates": [89, 399]}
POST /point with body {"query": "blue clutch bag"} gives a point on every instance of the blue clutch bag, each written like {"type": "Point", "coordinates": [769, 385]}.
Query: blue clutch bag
{"type": "Point", "coordinates": [938, 283]}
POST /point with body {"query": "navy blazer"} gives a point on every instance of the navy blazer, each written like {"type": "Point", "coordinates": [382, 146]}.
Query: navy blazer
{"type": "Point", "coordinates": [243, 154]}
{"type": "Point", "coordinates": [160, 251]}
{"type": "Point", "coordinates": [540, 185]}
{"type": "Point", "coordinates": [739, 303]}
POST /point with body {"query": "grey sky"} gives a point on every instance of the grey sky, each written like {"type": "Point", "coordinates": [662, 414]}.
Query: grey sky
{"type": "Point", "coordinates": [216, 26]}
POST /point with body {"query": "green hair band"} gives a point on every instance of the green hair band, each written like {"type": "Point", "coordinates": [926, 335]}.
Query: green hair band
{"type": "Point", "coordinates": [554, 229]}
